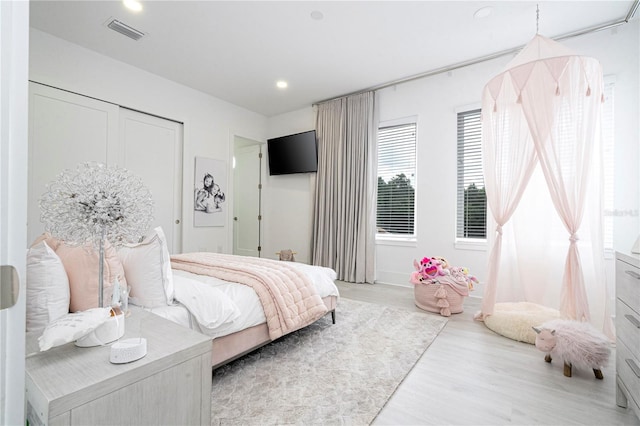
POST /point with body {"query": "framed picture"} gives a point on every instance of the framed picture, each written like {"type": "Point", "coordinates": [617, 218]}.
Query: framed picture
{"type": "Point", "coordinates": [210, 187]}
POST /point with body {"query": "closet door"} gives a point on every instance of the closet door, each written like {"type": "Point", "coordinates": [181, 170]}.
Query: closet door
{"type": "Point", "coordinates": [151, 147]}
{"type": "Point", "coordinates": [65, 130]}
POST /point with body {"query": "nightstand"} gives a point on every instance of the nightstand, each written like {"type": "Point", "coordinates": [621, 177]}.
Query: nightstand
{"type": "Point", "coordinates": [628, 331]}
{"type": "Point", "coordinates": [69, 385]}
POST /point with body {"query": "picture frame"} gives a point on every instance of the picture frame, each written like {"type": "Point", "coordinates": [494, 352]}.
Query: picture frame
{"type": "Point", "coordinates": [209, 192]}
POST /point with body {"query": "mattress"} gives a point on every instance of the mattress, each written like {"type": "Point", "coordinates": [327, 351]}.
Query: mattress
{"type": "Point", "coordinates": [244, 297]}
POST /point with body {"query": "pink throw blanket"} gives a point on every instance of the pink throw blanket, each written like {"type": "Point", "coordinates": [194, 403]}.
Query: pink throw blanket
{"type": "Point", "coordinates": [289, 299]}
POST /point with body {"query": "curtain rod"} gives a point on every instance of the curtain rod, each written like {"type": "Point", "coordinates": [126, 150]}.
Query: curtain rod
{"type": "Point", "coordinates": [626, 19]}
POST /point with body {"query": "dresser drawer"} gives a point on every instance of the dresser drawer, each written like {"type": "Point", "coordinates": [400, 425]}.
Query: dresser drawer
{"type": "Point", "coordinates": [628, 369]}
{"type": "Point", "coordinates": [628, 284]}
{"type": "Point", "coordinates": [628, 326]}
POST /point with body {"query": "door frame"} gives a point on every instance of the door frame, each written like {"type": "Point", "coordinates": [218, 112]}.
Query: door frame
{"type": "Point", "coordinates": [14, 62]}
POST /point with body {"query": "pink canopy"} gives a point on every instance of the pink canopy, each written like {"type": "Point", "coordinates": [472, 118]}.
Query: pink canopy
{"type": "Point", "coordinates": [543, 109]}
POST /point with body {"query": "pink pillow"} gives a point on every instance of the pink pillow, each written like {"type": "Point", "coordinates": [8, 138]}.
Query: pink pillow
{"type": "Point", "coordinates": [81, 264]}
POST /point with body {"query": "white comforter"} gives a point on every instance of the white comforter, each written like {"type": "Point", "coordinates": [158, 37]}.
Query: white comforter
{"type": "Point", "coordinates": [216, 307]}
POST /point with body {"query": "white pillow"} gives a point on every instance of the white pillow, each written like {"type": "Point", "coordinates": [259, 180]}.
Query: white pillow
{"type": "Point", "coordinates": [47, 287]}
{"type": "Point", "coordinates": [72, 327]}
{"type": "Point", "coordinates": [147, 268]}
{"type": "Point", "coordinates": [209, 305]}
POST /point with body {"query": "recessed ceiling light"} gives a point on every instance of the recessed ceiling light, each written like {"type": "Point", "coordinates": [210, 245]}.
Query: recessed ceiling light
{"type": "Point", "coordinates": [282, 84]}
{"type": "Point", "coordinates": [483, 12]}
{"type": "Point", "coordinates": [317, 15]}
{"type": "Point", "coordinates": [134, 5]}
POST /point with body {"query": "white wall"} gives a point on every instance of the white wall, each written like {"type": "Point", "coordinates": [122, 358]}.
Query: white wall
{"type": "Point", "coordinates": [434, 101]}
{"type": "Point", "coordinates": [209, 123]}
{"type": "Point", "coordinates": [288, 199]}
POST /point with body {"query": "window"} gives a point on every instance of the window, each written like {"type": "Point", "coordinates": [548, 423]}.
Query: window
{"type": "Point", "coordinates": [471, 220]}
{"type": "Point", "coordinates": [396, 180]}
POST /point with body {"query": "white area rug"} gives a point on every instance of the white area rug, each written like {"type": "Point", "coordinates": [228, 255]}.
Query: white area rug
{"type": "Point", "coordinates": [515, 319]}
{"type": "Point", "coordinates": [326, 373]}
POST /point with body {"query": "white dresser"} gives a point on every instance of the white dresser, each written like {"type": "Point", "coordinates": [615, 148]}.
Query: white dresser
{"type": "Point", "coordinates": [628, 331]}
{"type": "Point", "coordinates": [171, 385]}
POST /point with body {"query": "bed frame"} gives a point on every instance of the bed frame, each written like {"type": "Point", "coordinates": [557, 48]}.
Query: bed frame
{"type": "Point", "coordinates": [233, 346]}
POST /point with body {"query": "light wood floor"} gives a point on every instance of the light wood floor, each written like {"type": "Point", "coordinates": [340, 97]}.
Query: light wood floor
{"type": "Point", "coordinates": [473, 376]}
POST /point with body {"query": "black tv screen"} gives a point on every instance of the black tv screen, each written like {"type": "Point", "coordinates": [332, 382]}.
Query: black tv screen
{"type": "Point", "coordinates": [293, 154]}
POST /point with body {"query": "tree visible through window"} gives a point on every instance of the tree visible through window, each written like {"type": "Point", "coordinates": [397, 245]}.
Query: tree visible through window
{"type": "Point", "coordinates": [472, 198]}
{"type": "Point", "coordinates": [396, 179]}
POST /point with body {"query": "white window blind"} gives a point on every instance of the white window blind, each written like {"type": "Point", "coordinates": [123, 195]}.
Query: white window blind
{"type": "Point", "coordinates": [471, 220]}
{"type": "Point", "coordinates": [396, 180]}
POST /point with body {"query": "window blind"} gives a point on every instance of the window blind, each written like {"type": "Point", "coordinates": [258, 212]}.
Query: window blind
{"type": "Point", "coordinates": [396, 179]}
{"type": "Point", "coordinates": [471, 213]}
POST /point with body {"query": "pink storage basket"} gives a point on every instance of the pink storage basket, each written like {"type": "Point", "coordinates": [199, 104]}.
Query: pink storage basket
{"type": "Point", "coordinates": [437, 297]}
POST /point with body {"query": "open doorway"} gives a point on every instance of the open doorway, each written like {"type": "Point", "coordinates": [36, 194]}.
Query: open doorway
{"type": "Point", "coordinates": [247, 199]}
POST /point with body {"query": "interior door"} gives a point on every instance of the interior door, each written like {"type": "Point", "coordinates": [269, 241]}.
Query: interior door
{"type": "Point", "coordinates": [246, 199]}
{"type": "Point", "coordinates": [151, 148]}
{"type": "Point", "coordinates": [14, 48]}
{"type": "Point", "coordinates": [65, 130]}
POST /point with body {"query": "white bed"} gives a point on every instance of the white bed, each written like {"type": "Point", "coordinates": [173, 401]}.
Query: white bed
{"type": "Point", "coordinates": [244, 297]}
{"type": "Point", "coordinates": [64, 279]}
{"type": "Point", "coordinates": [235, 334]}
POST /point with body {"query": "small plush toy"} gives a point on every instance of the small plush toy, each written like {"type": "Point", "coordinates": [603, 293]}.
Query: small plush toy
{"type": "Point", "coordinates": [470, 278]}
{"type": "Point", "coordinates": [444, 265]}
{"type": "Point", "coordinates": [418, 275]}
{"type": "Point", "coordinates": [443, 262]}
{"type": "Point", "coordinates": [432, 267]}
{"type": "Point", "coordinates": [575, 343]}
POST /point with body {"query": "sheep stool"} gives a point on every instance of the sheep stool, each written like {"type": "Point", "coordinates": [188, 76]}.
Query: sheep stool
{"type": "Point", "coordinates": [575, 343]}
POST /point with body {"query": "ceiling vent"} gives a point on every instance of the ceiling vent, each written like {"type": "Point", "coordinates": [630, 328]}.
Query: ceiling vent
{"type": "Point", "coordinates": [124, 29]}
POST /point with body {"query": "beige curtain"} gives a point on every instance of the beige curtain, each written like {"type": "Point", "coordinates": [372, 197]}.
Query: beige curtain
{"type": "Point", "coordinates": [344, 213]}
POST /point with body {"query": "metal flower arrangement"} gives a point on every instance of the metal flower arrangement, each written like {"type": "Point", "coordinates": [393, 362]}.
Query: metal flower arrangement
{"type": "Point", "coordinates": [95, 203]}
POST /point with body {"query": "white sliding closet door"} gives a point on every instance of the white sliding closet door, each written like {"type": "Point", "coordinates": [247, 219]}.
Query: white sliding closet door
{"type": "Point", "coordinates": [65, 130]}
{"type": "Point", "coordinates": [151, 148]}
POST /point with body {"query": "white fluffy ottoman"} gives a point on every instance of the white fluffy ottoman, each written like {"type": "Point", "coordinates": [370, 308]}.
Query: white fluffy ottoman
{"type": "Point", "coordinates": [515, 319]}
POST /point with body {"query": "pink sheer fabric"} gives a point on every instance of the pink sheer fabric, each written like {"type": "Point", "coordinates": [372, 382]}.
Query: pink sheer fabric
{"type": "Point", "coordinates": [545, 108]}
{"type": "Point", "coordinates": [509, 160]}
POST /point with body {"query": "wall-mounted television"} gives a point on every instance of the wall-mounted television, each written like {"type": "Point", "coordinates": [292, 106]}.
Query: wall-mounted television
{"type": "Point", "coordinates": [296, 153]}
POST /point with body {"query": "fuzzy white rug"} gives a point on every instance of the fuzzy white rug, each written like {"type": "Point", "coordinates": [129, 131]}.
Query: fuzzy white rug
{"type": "Point", "coordinates": [515, 319]}
{"type": "Point", "coordinates": [325, 374]}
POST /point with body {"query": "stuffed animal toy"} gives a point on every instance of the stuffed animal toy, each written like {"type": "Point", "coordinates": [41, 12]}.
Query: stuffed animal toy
{"type": "Point", "coordinates": [432, 267]}
{"type": "Point", "coordinates": [443, 262]}
{"type": "Point", "coordinates": [427, 269]}
{"type": "Point", "coordinates": [444, 265]}
{"type": "Point", "coordinates": [417, 276]}
{"type": "Point", "coordinates": [575, 343]}
{"type": "Point", "coordinates": [470, 278]}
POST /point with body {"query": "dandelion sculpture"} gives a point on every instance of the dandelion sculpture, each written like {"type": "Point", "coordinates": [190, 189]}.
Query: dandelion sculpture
{"type": "Point", "coordinates": [97, 203]}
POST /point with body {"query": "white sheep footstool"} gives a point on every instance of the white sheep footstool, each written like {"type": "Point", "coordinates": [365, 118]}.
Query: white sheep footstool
{"type": "Point", "coordinates": [575, 343]}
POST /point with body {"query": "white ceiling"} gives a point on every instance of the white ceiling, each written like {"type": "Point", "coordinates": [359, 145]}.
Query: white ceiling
{"type": "Point", "coordinates": [237, 50]}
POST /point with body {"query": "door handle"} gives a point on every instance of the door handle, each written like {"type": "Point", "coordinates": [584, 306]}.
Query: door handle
{"type": "Point", "coordinates": [9, 286]}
